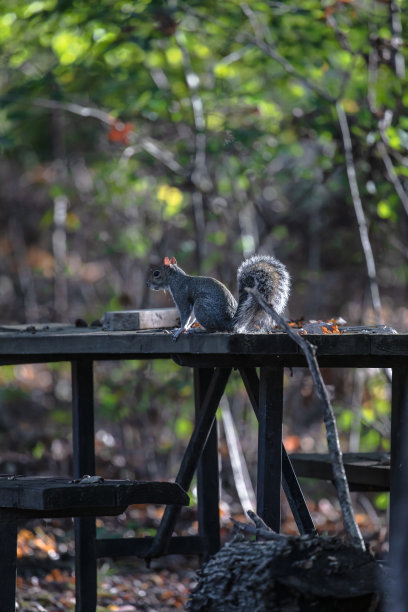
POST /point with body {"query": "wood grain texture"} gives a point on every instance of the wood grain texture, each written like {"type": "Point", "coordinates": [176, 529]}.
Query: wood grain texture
{"type": "Point", "coordinates": [132, 320]}
{"type": "Point", "coordinates": [49, 494]}
{"type": "Point", "coordinates": [64, 343]}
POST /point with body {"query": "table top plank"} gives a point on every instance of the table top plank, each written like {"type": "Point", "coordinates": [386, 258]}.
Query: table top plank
{"type": "Point", "coordinates": [24, 344]}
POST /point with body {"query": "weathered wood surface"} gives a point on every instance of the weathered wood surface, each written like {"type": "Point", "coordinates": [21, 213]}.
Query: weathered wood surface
{"type": "Point", "coordinates": [49, 495]}
{"type": "Point", "coordinates": [133, 320]}
{"type": "Point", "coordinates": [286, 574]}
{"type": "Point", "coordinates": [364, 471]}
{"type": "Point", "coordinates": [43, 343]}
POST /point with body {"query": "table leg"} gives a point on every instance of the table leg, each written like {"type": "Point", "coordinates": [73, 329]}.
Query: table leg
{"type": "Point", "coordinates": [208, 492]}
{"type": "Point", "coordinates": [8, 559]}
{"type": "Point", "coordinates": [399, 479]}
{"type": "Point", "coordinates": [270, 413]}
{"type": "Point", "coordinates": [290, 483]}
{"type": "Point", "coordinates": [84, 463]}
{"type": "Point", "coordinates": [190, 459]}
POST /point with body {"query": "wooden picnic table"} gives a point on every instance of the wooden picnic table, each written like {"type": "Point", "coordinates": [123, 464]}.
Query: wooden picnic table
{"type": "Point", "coordinates": [212, 356]}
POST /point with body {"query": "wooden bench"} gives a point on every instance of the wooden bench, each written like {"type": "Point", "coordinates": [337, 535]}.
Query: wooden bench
{"type": "Point", "coordinates": [364, 471]}
{"type": "Point", "coordinates": [23, 498]}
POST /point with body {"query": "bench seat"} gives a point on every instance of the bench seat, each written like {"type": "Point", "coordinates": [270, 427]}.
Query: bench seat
{"type": "Point", "coordinates": [23, 498]}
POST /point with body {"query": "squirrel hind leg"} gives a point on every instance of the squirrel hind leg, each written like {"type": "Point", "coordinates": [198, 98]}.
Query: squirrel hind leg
{"type": "Point", "coordinates": [251, 317]}
{"type": "Point", "coordinates": [244, 319]}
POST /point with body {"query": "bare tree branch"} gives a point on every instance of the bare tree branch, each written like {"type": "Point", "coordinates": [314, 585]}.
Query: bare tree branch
{"type": "Point", "coordinates": [333, 443]}
{"type": "Point", "coordinates": [259, 40]}
{"type": "Point", "coordinates": [392, 175]}
{"type": "Point", "coordinates": [359, 211]}
{"type": "Point", "coordinates": [350, 166]}
{"type": "Point", "coordinates": [396, 41]}
{"type": "Point", "coordinates": [240, 472]}
{"type": "Point", "coordinates": [200, 176]}
{"type": "Point", "coordinates": [149, 145]}
{"type": "Point", "coordinates": [287, 66]}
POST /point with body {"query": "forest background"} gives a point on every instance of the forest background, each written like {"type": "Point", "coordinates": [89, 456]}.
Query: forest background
{"type": "Point", "coordinates": [207, 131]}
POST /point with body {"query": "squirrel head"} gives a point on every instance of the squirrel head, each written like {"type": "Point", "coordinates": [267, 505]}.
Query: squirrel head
{"type": "Point", "coordinates": [158, 277]}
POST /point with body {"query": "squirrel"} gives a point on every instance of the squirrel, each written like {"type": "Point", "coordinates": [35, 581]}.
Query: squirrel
{"type": "Point", "coordinates": [213, 306]}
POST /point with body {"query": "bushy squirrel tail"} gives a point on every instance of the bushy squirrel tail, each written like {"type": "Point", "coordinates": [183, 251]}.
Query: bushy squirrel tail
{"type": "Point", "coordinates": [271, 278]}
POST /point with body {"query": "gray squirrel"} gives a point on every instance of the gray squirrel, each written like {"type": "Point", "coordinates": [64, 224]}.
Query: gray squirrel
{"type": "Point", "coordinates": [213, 306]}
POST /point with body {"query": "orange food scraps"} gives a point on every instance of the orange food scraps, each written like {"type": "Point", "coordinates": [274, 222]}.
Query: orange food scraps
{"type": "Point", "coordinates": [334, 329]}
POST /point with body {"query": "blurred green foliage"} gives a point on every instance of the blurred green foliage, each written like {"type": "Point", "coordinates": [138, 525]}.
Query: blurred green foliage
{"type": "Point", "coordinates": [207, 131]}
{"type": "Point", "coordinates": [122, 91]}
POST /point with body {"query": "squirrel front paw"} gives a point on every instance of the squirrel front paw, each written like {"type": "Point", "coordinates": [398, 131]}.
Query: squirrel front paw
{"type": "Point", "coordinates": [176, 333]}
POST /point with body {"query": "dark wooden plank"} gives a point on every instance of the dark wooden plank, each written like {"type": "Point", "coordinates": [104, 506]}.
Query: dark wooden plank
{"type": "Point", "coordinates": [270, 446]}
{"type": "Point", "coordinates": [190, 459]}
{"type": "Point", "coordinates": [69, 343]}
{"type": "Point", "coordinates": [290, 483]}
{"type": "Point", "coordinates": [84, 463]}
{"type": "Point", "coordinates": [85, 565]}
{"type": "Point", "coordinates": [289, 360]}
{"type": "Point", "coordinates": [126, 320]}
{"type": "Point", "coordinates": [364, 471]}
{"type": "Point", "coordinates": [59, 494]}
{"type": "Point", "coordinates": [295, 497]}
{"type": "Point", "coordinates": [399, 488]}
{"type": "Point", "coordinates": [83, 417]}
{"type": "Point", "coordinates": [8, 559]}
{"type": "Point", "coordinates": [399, 458]}
{"type": "Point", "coordinates": [389, 345]}
{"type": "Point", "coordinates": [139, 547]}
{"type": "Point", "coordinates": [208, 493]}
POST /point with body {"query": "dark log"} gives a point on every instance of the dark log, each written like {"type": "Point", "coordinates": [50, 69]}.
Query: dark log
{"type": "Point", "coordinates": [286, 574]}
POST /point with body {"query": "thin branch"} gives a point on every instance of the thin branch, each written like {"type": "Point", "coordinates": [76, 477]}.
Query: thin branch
{"type": "Point", "coordinates": [258, 522]}
{"type": "Point", "coordinates": [399, 66]}
{"type": "Point", "coordinates": [76, 109]}
{"type": "Point", "coordinates": [396, 41]}
{"type": "Point", "coordinates": [258, 39]}
{"type": "Point", "coordinates": [259, 529]}
{"type": "Point", "coordinates": [240, 472]}
{"type": "Point", "coordinates": [392, 175]}
{"type": "Point", "coordinates": [350, 167]}
{"type": "Point", "coordinates": [149, 145]}
{"type": "Point", "coordinates": [200, 176]}
{"type": "Point", "coordinates": [359, 211]}
{"type": "Point", "coordinates": [333, 443]}
{"type": "Point", "coordinates": [287, 66]}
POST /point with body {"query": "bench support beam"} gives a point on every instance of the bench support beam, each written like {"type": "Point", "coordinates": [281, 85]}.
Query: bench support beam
{"type": "Point", "coordinates": [84, 463]}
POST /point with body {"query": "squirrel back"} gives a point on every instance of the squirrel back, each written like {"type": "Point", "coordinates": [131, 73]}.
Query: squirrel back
{"type": "Point", "coordinates": [270, 277]}
{"type": "Point", "coordinates": [197, 297]}
{"type": "Point", "coordinates": [212, 304]}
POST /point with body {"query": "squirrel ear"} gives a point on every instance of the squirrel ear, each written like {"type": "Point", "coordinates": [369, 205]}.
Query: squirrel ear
{"type": "Point", "coordinates": [168, 262]}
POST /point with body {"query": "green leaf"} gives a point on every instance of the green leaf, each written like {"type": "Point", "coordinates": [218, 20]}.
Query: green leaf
{"type": "Point", "coordinates": [384, 210]}
{"type": "Point", "coordinates": [382, 501]}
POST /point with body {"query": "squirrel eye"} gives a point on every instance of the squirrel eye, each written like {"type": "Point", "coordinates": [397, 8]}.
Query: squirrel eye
{"type": "Point", "coordinates": [156, 273]}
